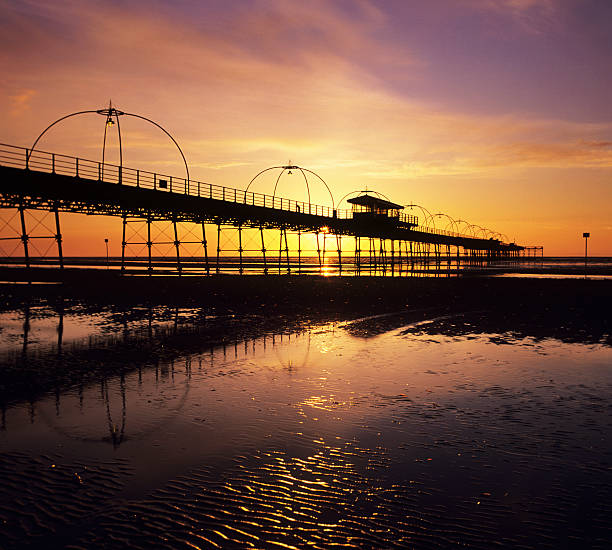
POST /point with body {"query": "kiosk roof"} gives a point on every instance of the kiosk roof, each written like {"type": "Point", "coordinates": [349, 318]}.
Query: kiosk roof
{"type": "Point", "coordinates": [375, 202]}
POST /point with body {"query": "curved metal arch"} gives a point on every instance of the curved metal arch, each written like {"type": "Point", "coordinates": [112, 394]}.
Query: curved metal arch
{"type": "Point", "coordinates": [349, 193]}
{"type": "Point", "coordinates": [426, 212]}
{"type": "Point", "coordinates": [260, 173]}
{"type": "Point", "coordinates": [331, 195]}
{"type": "Point", "coordinates": [285, 168]}
{"type": "Point", "coordinates": [165, 132]}
{"type": "Point", "coordinates": [460, 221]}
{"type": "Point", "coordinates": [490, 233]}
{"type": "Point", "coordinates": [453, 223]}
{"type": "Point", "coordinates": [109, 113]}
{"type": "Point", "coordinates": [470, 227]}
{"type": "Point", "coordinates": [482, 230]}
{"type": "Point", "coordinates": [31, 150]}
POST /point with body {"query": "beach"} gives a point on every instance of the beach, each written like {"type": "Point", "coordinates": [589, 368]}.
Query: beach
{"type": "Point", "coordinates": [257, 411]}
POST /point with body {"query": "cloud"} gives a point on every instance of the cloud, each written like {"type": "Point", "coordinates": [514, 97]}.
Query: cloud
{"type": "Point", "coordinates": [20, 102]}
{"type": "Point", "coordinates": [531, 16]}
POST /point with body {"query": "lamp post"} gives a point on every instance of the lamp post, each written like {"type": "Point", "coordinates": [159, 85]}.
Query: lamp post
{"type": "Point", "coordinates": [106, 243]}
{"type": "Point", "coordinates": [112, 118]}
{"type": "Point", "coordinates": [586, 240]}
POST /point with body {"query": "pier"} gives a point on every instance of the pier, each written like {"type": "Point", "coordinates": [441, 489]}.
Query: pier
{"type": "Point", "coordinates": [375, 235]}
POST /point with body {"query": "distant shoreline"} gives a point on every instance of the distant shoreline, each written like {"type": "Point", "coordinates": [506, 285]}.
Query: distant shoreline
{"type": "Point", "coordinates": [292, 294]}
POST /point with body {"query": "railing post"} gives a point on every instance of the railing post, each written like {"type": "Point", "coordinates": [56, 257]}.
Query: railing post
{"type": "Point", "coordinates": [170, 184]}
{"type": "Point", "coordinates": [99, 172]}
{"type": "Point", "coordinates": [120, 175]}
{"type": "Point", "coordinates": [77, 167]}
{"type": "Point", "coordinates": [28, 153]}
{"type": "Point", "coordinates": [223, 193]}
{"type": "Point", "coordinates": [53, 163]}
{"type": "Point", "coordinates": [198, 189]}
{"type": "Point", "coordinates": [210, 186]}
{"type": "Point", "coordinates": [154, 181]}
{"type": "Point", "coordinates": [137, 178]}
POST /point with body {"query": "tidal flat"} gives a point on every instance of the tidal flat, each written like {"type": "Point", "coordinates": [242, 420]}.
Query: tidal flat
{"type": "Point", "coordinates": [347, 413]}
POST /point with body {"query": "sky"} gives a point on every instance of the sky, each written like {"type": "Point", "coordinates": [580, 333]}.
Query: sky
{"type": "Point", "coordinates": [497, 112]}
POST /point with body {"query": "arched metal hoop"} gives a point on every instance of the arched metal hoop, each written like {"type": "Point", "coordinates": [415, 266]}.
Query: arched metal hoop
{"type": "Point", "coordinates": [110, 112]}
{"type": "Point", "coordinates": [426, 213]}
{"type": "Point", "coordinates": [467, 226]}
{"type": "Point", "coordinates": [288, 168]}
{"type": "Point", "coordinates": [452, 221]}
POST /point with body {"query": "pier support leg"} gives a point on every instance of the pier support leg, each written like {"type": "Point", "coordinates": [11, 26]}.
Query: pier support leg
{"type": "Point", "coordinates": [124, 217]}
{"type": "Point", "coordinates": [263, 249]}
{"type": "Point", "coordinates": [177, 246]}
{"type": "Point", "coordinates": [373, 259]}
{"type": "Point", "coordinates": [205, 246]}
{"type": "Point", "coordinates": [149, 243]}
{"type": "Point", "coordinates": [280, 250]}
{"type": "Point", "coordinates": [24, 236]}
{"type": "Point", "coordinates": [218, 245]}
{"type": "Point", "coordinates": [240, 269]}
{"type": "Point", "coordinates": [287, 251]}
{"type": "Point", "coordinates": [58, 238]}
{"type": "Point", "coordinates": [299, 251]}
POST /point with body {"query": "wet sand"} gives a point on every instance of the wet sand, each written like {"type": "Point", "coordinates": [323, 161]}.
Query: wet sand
{"type": "Point", "coordinates": [420, 413]}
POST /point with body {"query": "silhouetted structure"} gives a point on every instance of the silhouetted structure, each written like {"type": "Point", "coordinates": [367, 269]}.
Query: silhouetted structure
{"type": "Point", "coordinates": [58, 183]}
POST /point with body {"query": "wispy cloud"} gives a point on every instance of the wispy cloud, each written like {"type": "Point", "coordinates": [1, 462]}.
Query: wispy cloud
{"type": "Point", "coordinates": [20, 102]}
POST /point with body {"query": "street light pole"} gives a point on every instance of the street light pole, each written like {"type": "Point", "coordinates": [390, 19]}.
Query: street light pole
{"type": "Point", "coordinates": [586, 240]}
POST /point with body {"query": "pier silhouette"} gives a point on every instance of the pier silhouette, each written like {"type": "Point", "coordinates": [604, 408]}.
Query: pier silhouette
{"type": "Point", "coordinates": [381, 236]}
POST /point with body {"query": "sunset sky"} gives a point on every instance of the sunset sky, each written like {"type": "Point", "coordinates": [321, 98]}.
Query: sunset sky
{"type": "Point", "coordinates": [498, 112]}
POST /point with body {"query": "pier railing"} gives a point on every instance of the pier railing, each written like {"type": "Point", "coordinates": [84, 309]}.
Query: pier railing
{"type": "Point", "coordinates": [65, 165]}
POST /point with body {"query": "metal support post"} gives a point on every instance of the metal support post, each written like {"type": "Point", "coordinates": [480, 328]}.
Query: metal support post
{"type": "Point", "coordinates": [123, 244]}
{"type": "Point", "coordinates": [218, 244]}
{"type": "Point", "coordinates": [299, 251]}
{"type": "Point", "coordinates": [263, 250]}
{"type": "Point", "coordinates": [205, 245]}
{"type": "Point", "coordinates": [287, 251]}
{"type": "Point", "coordinates": [177, 245]}
{"type": "Point", "coordinates": [149, 244]}
{"type": "Point", "coordinates": [280, 249]}
{"type": "Point", "coordinates": [240, 247]}
{"type": "Point", "coordinates": [58, 238]}
{"type": "Point", "coordinates": [24, 236]}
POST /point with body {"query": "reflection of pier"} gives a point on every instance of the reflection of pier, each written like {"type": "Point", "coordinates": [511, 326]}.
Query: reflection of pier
{"type": "Point", "coordinates": [100, 362]}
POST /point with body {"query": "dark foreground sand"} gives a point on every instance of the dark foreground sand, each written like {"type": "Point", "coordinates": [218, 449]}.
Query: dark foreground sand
{"type": "Point", "coordinates": [484, 427]}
